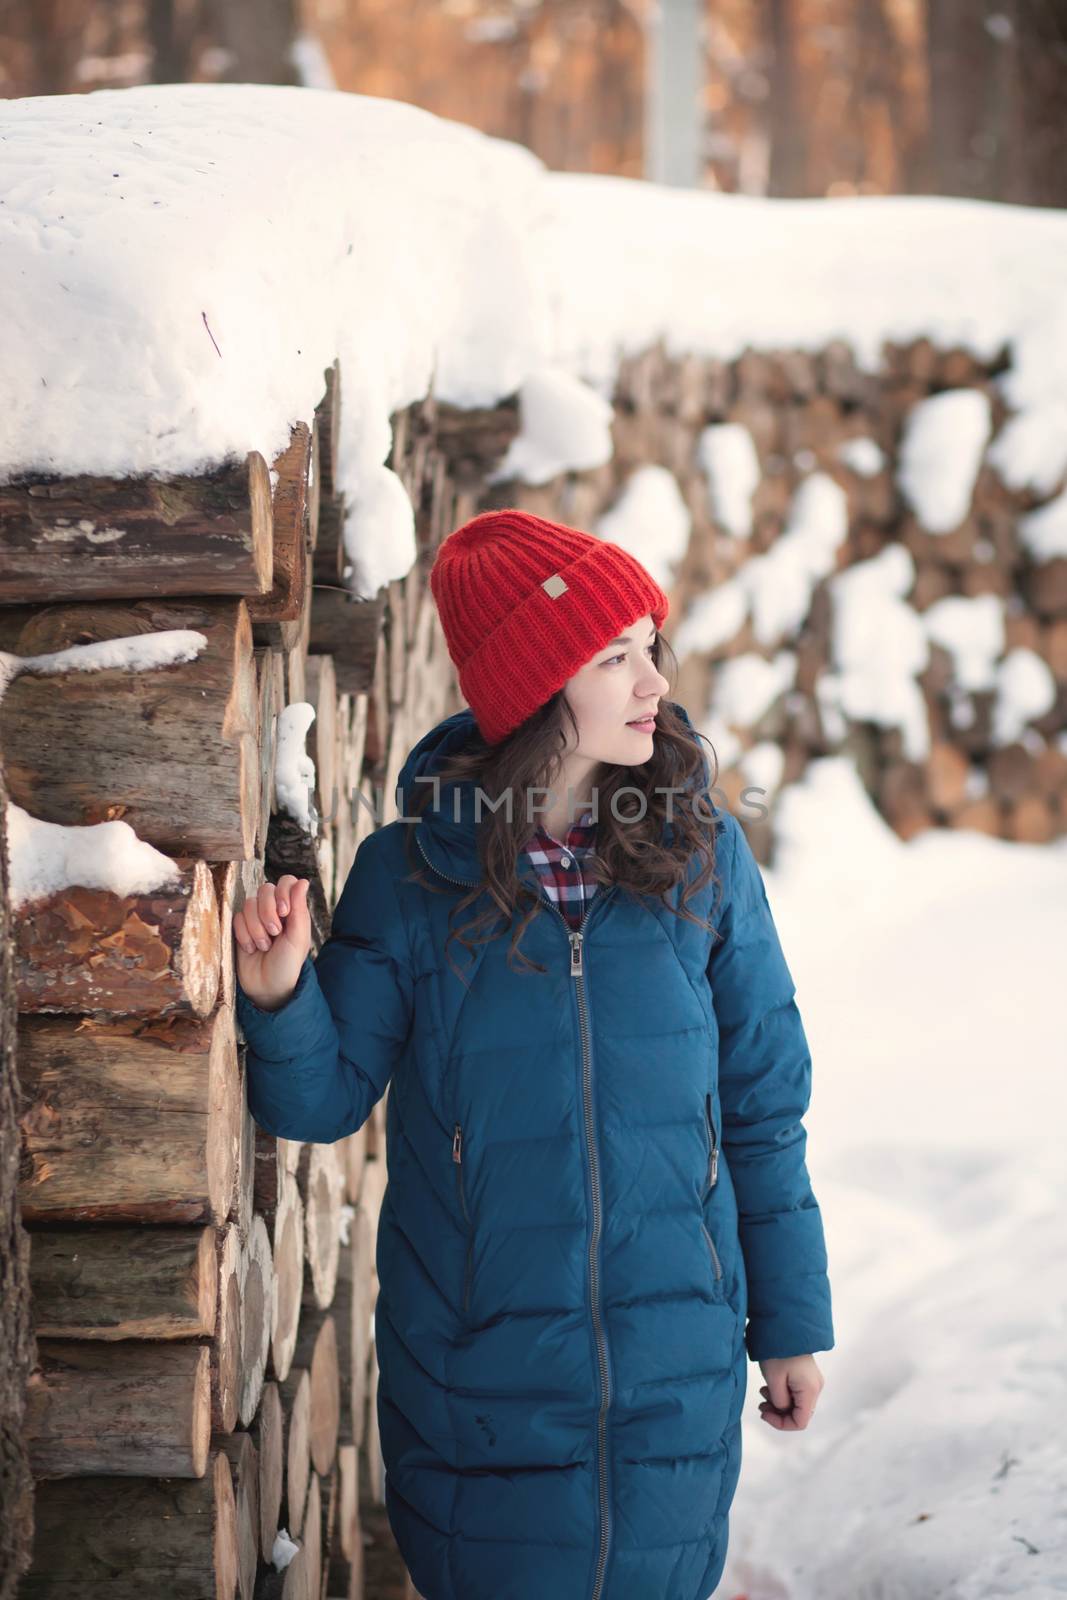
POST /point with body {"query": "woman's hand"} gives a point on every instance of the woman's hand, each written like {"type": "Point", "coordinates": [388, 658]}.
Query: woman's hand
{"type": "Point", "coordinates": [793, 1386]}
{"type": "Point", "coordinates": [273, 935]}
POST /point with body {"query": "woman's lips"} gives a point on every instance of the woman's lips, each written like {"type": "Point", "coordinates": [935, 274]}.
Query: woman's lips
{"type": "Point", "coordinates": [645, 725]}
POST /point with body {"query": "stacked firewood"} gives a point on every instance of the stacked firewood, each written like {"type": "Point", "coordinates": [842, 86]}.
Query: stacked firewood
{"type": "Point", "coordinates": [202, 1295]}
{"type": "Point", "coordinates": [808, 412]}
{"type": "Point", "coordinates": [200, 1417]}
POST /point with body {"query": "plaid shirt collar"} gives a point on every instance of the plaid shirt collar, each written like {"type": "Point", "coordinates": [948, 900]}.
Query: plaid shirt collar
{"type": "Point", "coordinates": [559, 865]}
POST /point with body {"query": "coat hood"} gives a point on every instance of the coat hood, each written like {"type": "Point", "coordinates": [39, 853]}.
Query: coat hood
{"type": "Point", "coordinates": [447, 832]}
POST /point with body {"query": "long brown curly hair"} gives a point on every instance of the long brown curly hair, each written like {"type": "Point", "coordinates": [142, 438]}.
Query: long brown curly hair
{"type": "Point", "coordinates": [629, 852]}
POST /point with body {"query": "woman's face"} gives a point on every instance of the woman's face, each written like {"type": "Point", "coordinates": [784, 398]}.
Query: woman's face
{"type": "Point", "coordinates": [618, 685]}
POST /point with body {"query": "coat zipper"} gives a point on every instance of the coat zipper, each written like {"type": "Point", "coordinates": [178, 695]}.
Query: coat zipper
{"type": "Point", "coordinates": [713, 1145]}
{"type": "Point", "coordinates": [457, 1157]}
{"type": "Point", "coordinates": [713, 1178]}
{"type": "Point", "coordinates": [575, 938]}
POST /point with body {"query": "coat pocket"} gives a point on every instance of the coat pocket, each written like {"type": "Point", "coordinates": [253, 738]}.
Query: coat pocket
{"type": "Point", "coordinates": [711, 1181]}
{"type": "Point", "coordinates": [457, 1158]}
{"type": "Point", "coordinates": [713, 1147]}
{"type": "Point", "coordinates": [715, 1262]}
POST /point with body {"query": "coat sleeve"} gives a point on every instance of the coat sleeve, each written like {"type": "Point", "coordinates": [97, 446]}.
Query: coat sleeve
{"type": "Point", "coordinates": [764, 1090]}
{"type": "Point", "coordinates": [317, 1066]}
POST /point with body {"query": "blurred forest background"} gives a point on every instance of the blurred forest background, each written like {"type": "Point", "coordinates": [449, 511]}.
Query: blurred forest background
{"type": "Point", "coordinates": [792, 98]}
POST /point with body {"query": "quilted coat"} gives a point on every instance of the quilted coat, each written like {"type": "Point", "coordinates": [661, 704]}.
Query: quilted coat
{"type": "Point", "coordinates": [598, 1206]}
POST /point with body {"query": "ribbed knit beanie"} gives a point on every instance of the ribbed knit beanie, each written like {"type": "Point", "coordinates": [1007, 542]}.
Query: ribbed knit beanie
{"type": "Point", "coordinates": [525, 602]}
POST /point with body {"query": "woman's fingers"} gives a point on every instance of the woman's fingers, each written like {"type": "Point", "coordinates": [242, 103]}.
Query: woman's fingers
{"type": "Point", "coordinates": [276, 900]}
{"type": "Point", "coordinates": [259, 922]}
{"type": "Point", "coordinates": [241, 933]}
{"type": "Point", "coordinates": [256, 931]}
{"type": "Point", "coordinates": [286, 884]}
{"type": "Point", "coordinates": [268, 909]}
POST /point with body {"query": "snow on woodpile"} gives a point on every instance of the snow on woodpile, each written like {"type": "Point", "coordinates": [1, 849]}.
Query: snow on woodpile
{"type": "Point", "coordinates": [180, 263]}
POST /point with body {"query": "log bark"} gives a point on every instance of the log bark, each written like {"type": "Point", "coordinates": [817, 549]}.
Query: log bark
{"type": "Point", "coordinates": [256, 1298]}
{"type": "Point", "coordinates": [296, 1404]}
{"type": "Point", "coordinates": [227, 879]}
{"type": "Point", "coordinates": [472, 440]}
{"type": "Point", "coordinates": [320, 691]}
{"type": "Point", "coordinates": [375, 1126]}
{"type": "Point", "coordinates": [16, 1335]}
{"type": "Point", "coordinates": [285, 601]}
{"type": "Point", "coordinates": [82, 950]}
{"type": "Point", "coordinates": [184, 1533]}
{"type": "Point", "coordinates": [277, 1199]}
{"type": "Point", "coordinates": [240, 1453]}
{"type": "Point", "coordinates": [314, 487]}
{"type": "Point", "coordinates": [316, 1351]}
{"type": "Point", "coordinates": [129, 1121]}
{"type": "Point", "coordinates": [352, 1314]}
{"type": "Point", "coordinates": [375, 1177]}
{"type": "Point", "coordinates": [347, 1297]}
{"type": "Point", "coordinates": [300, 1579]}
{"type": "Point", "coordinates": [125, 1410]}
{"type": "Point", "coordinates": [397, 641]}
{"type": "Point", "coordinates": [244, 1182]}
{"type": "Point", "coordinates": [330, 1523]}
{"type": "Point", "coordinates": [288, 1276]}
{"type": "Point", "coordinates": [267, 1431]}
{"type": "Point", "coordinates": [329, 563]}
{"type": "Point", "coordinates": [124, 1283]}
{"type": "Point", "coordinates": [226, 1345]}
{"type": "Point", "coordinates": [353, 1156]}
{"type": "Point", "coordinates": [81, 538]}
{"type": "Point", "coordinates": [322, 1183]}
{"type": "Point", "coordinates": [172, 751]}
{"type": "Point", "coordinates": [348, 629]}
{"type": "Point", "coordinates": [269, 696]}
{"type": "Point", "coordinates": [346, 1548]}
{"type": "Point", "coordinates": [268, 1175]}
{"type": "Point", "coordinates": [303, 1574]}
{"type": "Point", "coordinates": [311, 1537]}
{"type": "Point", "coordinates": [373, 1447]}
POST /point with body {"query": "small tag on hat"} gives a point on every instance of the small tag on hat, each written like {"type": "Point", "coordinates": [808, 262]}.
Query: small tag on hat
{"type": "Point", "coordinates": [554, 586]}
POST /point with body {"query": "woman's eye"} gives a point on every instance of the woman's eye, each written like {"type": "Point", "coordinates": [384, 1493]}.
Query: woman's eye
{"type": "Point", "coordinates": [612, 659]}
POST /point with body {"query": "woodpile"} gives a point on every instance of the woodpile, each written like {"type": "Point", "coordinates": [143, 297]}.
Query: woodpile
{"type": "Point", "coordinates": [800, 408]}
{"type": "Point", "coordinates": [202, 1293]}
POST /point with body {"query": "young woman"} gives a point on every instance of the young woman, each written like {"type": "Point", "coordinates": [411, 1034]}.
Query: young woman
{"type": "Point", "coordinates": [598, 1205]}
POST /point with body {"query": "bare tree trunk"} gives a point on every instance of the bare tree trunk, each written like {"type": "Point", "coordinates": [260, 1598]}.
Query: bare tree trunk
{"type": "Point", "coordinates": [998, 101]}
{"type": "Point", "coordinates": [172, 27]}
{"type": "Point", "coordinates": [787, 176]}
{"type": "Point", "coordinates": [258, 35]}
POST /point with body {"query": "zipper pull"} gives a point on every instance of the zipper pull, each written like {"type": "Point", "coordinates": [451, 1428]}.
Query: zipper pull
{"type": "Point", "coordinates": [576, 954]}
{"type": "Point", "coordinates": [713, 1140]}
{"type": "Point", "coordinates": [457, 1143]}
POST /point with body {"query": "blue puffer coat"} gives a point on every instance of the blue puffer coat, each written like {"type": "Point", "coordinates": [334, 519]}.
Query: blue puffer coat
{"type": "Point", "coordinates": [595, 1174]}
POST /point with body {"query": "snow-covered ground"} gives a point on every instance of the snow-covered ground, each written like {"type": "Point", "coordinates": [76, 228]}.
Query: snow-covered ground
{"type": "Point", "coordinates": [929, 976]}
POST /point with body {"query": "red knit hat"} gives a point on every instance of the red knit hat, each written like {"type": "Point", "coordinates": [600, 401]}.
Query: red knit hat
{"type": "Point", "coordinates": [525, 602]}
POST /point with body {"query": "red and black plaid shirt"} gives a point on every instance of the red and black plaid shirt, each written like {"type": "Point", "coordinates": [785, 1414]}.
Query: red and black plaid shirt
{"type": "Point", "coordinates": [560, 866]}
